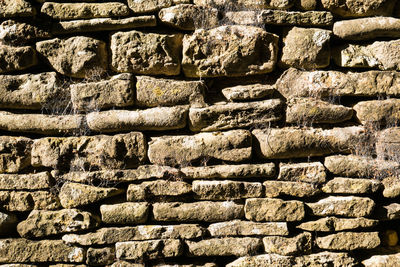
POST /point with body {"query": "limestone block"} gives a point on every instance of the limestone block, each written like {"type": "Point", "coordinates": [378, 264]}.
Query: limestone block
{"type": "Point", "coordinates": [15, 153]}
{"type": "Point", "coordinates": [152, 249]}
{"type": "Point", "coordinates": [267, 260]}
{"type": "Point", "coordinates": [248, 92]}
{"type": "Point", "coordinates": [32, 181]}
{"type": "Point", "coordinates": [17, 58]}
{"type": "Point", "coordinates": [16, 8]}
{"type": "Point", "coordinates": [381, 112]}
{"type": "Point", "coordinates": [349, 206]}
{"type": "Point", "coordinates": [274, 210]}
{"type": "Point", "coordinates": [349, 241]}
{"type": "Point", "coordinates": [295, 18]}
{"type": "Point", "coordinates": [100, 256]}
{"type": "Point", "coordinates": [159, 188]}
{"type": "Point", "coordinates": [354, 8]}
{"type": "Point", "coordinates": [382, 260]}
{"type": "Point", "coordinates": [294, 189]}
{"type": "Point", "coordinates": [148, 6]}
{"type": "Point", "coordinates": [247, 4]}
{"type": "Point", "coordinates": [334, 224]}
{"type": "Point", "coordinates": [391, 186]}
{"type": "Point", "coordinates": [228, 246]}
{"type": "Point", "coordinates": [246, 228]}
{"type": "Point", "coordinates": [340, 185]}
{"type": "Point", "coordinates": [307, 172]}
{"type": "Point", "coordinates": [125, 213]}
{"type": "Point", "coordinates": [226, 190]}
{"type": "Point", "coordinates": [297, 245]}
{"type": "Point", "coordinates": [19, 33]}
{"type": "Point", "coordinates": [23, 201]}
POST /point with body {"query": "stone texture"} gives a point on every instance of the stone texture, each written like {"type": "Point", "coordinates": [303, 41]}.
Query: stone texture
{"type": "Point", "coordinates": [381, 112]}
{"type": "Point", "coordinates": [306, 4]}
{"type": "Point", "coordinates": [295, 18]}
{"type": "Point", "coordinates": [340, 185]}
{"type": "Point", "coordinates": [326, 258]}
{"type": "Point", "coordinates": [354, 8]}
{"type": "Point", "coordinates": [118, 91]}
{"type": "Point", "coordinates": [307, 172]}
{"type": "Point", "coordinates": [148, 6]}
{"type": "Point", "coordinates": [227, 116]}
{"type": "Point", "coordinates": [248, 92]}
{"type": "Point", "coordinates": [42, 223]}
{"type": "Point", "coordinates": [100, 256]}
{"type": "Point", "coordinates": [333, 224]}
{"type": "Point", "coordinates": [349, 241]}
{"type": "Point", "coordinates": [23, 250]}
{"type": "Point", "coordinates": [247, 4]}
{"type": "Point", "coordinates": [229, 51]}
{"type": "Point", "coordinates": [152, 119]}
{"type": "Point", "coordinates": [153, 92]}
{"type": "Point", "coordinates": [87, 152]}
{"type": "Point", "coordinates": [306, 111]}
{"type": "Point", "coordinates": [8, 222]}
{"type": "Point", "coordinates": [388, 145]}
{"type": "Point", "coordinates": [146, 53]}
{"type": "Point", "coordinates": [382, 260]}
{"type": "Point", "coordinates": [297, 245]}
{"type": "Point", "coordinates": [246, 228]}
{"type": "Point", "coordinates": [16, 8]}
{"type": "Point", "coordinates": [66, 11]}
{"type": "Point", "coordinates": [15, 153]}
{"type": "Point", "coordinates": [75, 195]}
{"type": "Point", "coordinates": [274, 210]}
{"type": "Point", "coordinates": [160, 188]}
{"type": "Point", "coordinates": [226, 190]}
{"type": "Point", "coordinates": [17, 58]}
{"type": "Point", "coordinates": [349, 206]}
{"type": "Point", "coordinates": [293, 189]}
{"type": "Point", "coordinates": [23, 201]}
{"type": "Point", "coordinates": [391, 187]}
{"type": "Point", "coordinates": [32, 181]}
{"type": "Point", "coordinates": [306, 48]}
{"type": "Point", "coordinates": [189, 17]}
{"type": "Point", "coordinates": [289, 142]}
{"type": "Point", "coordinates": [234, 146]}
{"type": "Point", "coordinates": [205, 211]}
{"type": "Point", "coordinates": [228, 246]}
{"type": "Point", "coordinates": [19, 33]}
{"type": "Point", "coordinates": [125, 213]}
{"type": "Point", "coordinates": [152, 249]}
{"type": "Point", "coordinates": [381, 55]}
{"type": "Point", "coordinates": [106, 236]}
{"type": "Point", "coordinates": [267, 260]}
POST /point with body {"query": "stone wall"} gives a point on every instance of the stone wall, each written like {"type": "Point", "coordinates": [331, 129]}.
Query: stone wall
{"type": "Point", "coordinates": [199, 133]}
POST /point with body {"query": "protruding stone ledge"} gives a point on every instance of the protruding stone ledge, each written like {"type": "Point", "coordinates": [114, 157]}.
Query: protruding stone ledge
{"type": "Point", "coordinates": [15, 58]}
{"type": "Point", "coordinates": [378, 112]}
{"type": "Point", "coordinates": [228, 246]}
{"type": "Point", "coordinates": [246, 228]}
{"type": "Point", "coordinates": [160, 188]}
{"type": "Point", "coordinates": [226, 190]}
{"type": "Point", "coordinates": [353, 8]}
{"type": "Point", "coordinates": [349, 206]}
{"type": "Point", "coordinates": [333, 224]}
{"type": "Point", "coordinates": [32, 181]}
{"type": "Point", "coordinates": [274, 210]}
{"type": "Point", "coordinates": [148, 250]}
{"type": "Point", "coordinates": [125, 213]}
{"type": "Point", "coordinates": [349, 241]}
{"type": "Point", "coordinates": [15, 153]}
{"type": "Point", "coordinates": [307, 172]}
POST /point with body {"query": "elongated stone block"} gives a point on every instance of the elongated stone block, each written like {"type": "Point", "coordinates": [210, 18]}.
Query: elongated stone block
{"type": "Point", "coordinates": [349, 241]}
{"type": "Point", "coordinates": [295, 189]}
{"type": "Point", "coordinates": [152, 249]}
{"type": "Point", "coordinates": [308, 172]}
{"type": "Point", "coordinates": [246, 228]}
{"type": "Point", "coordinates": [334, 224]}
{"type": "Point", "coordinates": [274, 210]}
{"type": "Point", "coordinates": [228, 246]}
{"type": "Point", "coordinates": [23, 201]}
{"type": "Point", "coordinates": [297, 245]}
{"type": "Point", "coordinates": [16, 8]}
{"type": "Point", "coordinates": [20, 33]}
{"type": "Point", "coordinates": [160, 188]}
{"type": "Point", "coordinates": [125, 213]}
{"type": "Point", "coordinates": [32, 181]}
{"type": "Point", "coordinates": [226, 190]}
{"type": "Point", "coordinates": [339, 185]}
{"type": "Point", "coordinates": [349, 206]}
{"type": "Point", "coordinates": [354, 8]}
{"type": "Point", "coordinates": [381, 112]}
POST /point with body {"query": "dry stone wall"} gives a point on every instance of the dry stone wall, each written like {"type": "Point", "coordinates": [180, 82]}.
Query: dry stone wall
{"type": "Point", "coordinates": [199, 133]}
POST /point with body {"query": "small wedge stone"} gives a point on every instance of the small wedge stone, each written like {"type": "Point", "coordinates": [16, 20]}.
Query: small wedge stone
{"type": "Point", "coordinates": [391, 187]}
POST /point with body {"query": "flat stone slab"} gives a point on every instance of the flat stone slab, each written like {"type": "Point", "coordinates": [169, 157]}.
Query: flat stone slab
{"type": "Point", "coordinates": [340, 185]}
{"type": "Point", "coordinates": [248, 92]}
{"type": "Point", "coordinates": [148, 6]}
{"type": "Point", "coordinates": [228, 246]}
{"type": "Point", "coordinates": [226, 190]}
{"type": "Point", "coordinates": [246, 228]}
{"type": "Point", "coordinates": [349, 206]}
{"type": "Point", "coordinates": [17, 58]}
{"type": "Point", "coordinates": [297, 245]}
{"type": "Point", "coordinates": [14, 153]}
{"type": "Point", "coordinates": [380, 112]}
{"type": "Point", "coordinates": [293, 189]}
{"type": "Point", "coordinates": [353, 8]}
{"type": "Point", "coordinates": [20, 33]}
{"type": "Point", "coordinates": [307, 172]}
{"type": "Point", "coordinates": [270, 4]}
{"type": "Point", "coordinates": [295, 18]}
{"type": "Point", "coordinates": [159, 188]}
{"type": "Point", "coordinates": [125, 213]}
{"type": "Point", "coordinates": [16, 8]}
{"type": "Point", "coordinates": [334, 224]}
{"type": "Point", "coordinates": [23, 201]}
{"type": "Point", "coordinates": [151, 249]}
{"type": "Point", "coordinates": [274, 210]}
{"type": "Point", "coordinates": [32, 181]}
{"type": "Point", "coordinates": [349, 241]}
{"type": "Point", "coordinates": [382, 260]}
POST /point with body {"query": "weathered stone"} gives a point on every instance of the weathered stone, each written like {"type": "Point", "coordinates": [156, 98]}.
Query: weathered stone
{"type": "Point", "coordinates": [87, 152]}
{"type": "Point", "coordinates": [247, 4]}
{"type": "Point", "coordinates": [245, 228]}
{"type": "Point", "coordinates": [15, 153]}
{"type": "Point", "coordinates": [354, 8]}
{"type": "Point", "coordinates": [235, 115]}
{"type": "Point", "coordinates": [196, 264]}
{"type": "Point", "coordinates": [238, 51]}
{"type": "Point", "coordinates": [148, 6]}
{"type": "Point", "coordinates": [65, 11]}
{"type": "Point", "coordinates": [17, 58]}
{"type": "Point", "coordinates": [16, 8]}
{"type": "Point", "coordinates": [40, 123]}
{"type": "Point", "coordinates": [152, 119]}
{"type": "Point", "coordinates": [382, 260]}
{"type": "Point", "coordinates": [391, 211]}
{"type": "Point", "coordinates": [382, 112]}
{"type": "Point", "coordinates": [76, 56]}
{"type": "Point", "coordinates": [27, 201]}
{"type": "Point", "coordinates": [382, 55]}
{"type": "Point", "coordinates": [349, 241]}
{"type": "Point", "coordinates": [8, 222]}
{"type": "Point", "coordinates": [306, 111]}
{"type": "Point", "coordinates": [23, 250]}
{"type": "Point", "coordinates": [292, 18]}
{"type": "Point", "coordinates": [234, 146]}
{"type": "Point", "coordinates": [248, 92]}
{"type": "Point", "coordinates": [146, 53]}
{"type": "Point", "coordinates": [290, 142]}
{"type": "Point", "coordinates": [242, 171]}
{"type": "Point", "coordinates": [326, 258]}
{"type": "Point", "coordinates": [205, 211]}
{"type": "Point", "coordinates": [391, 187]}
{"type": "Point", "coordinates": [100, 256]}
{"type": "Point", "coordinates": [348, 206]}
{"type": "Point", "coordinates": [160, 188]}
{"type": "Point", "coordinates": [388, 145]}
{"type": "Point", "coordinates": [189, 17]}
{"type": "Point", "coordinates": [294, 189]}
{"type": "Point", "coordinates": [32, 181]}
{"type": "Point", "coordinates": [306, 4]}
{"type": "Point", "coordinates": [308, 172]}
{"type": "Point", "coordinates": [228, 246]}
{"type": "Point", "coordinates": [267, 260]}
{"type": "Point", "coordinates": [340, 185]}
{"type": "Point", "coordinates": [226, 190]}
{"type": "Point", "coordinates": [105, 236]}
{"type": "Point", "coordinates": [75, 195]}
{"type": "Point", "coordinates": [117, 91]}
{"type": "Point", "coordinates": [42, 223]}
{"type": "Point", "coordinates": [102, 24]}
{"type": "Point", "coordinates": [152, 249]}
{"type": "Point", "coordinates": [120, 263]}
{"type": "Point", "coordinates": [333, 224]}
{"type": "Point", "coordinates": [153, 92]}
{"type": "Point", "coordinates": [300, 244]}
{"type": "Point", "coordinates": [125, 213]}
{"type": "Point", "coordinates": [274, 210]}
{"type": "Point", "coordinates": [243, 17]}
{"type": "Point", "coordinates": [19, 33]}
{"type": "Point", "coordinates": [306, 48]}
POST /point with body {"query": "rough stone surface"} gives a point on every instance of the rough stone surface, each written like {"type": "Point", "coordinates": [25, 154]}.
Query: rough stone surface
{"type": "Point", "coordinates": [307, 172]}
{"type": "Point", "coordinates": [125, 213]}
{"type": "Point", "coordinates": [19, 33]}
{"type": "Point", "coordinates": [274, 210]}
{"type": "Point", "coordinates": [240, 4]}
{"type": "Point", "coordinates": [391, 187]}
{"type": "Point", "coordinates": [340, 185]}
{"type": "Point", "coordinates": [294, 189]}
{"type": "Point", "coordinates": [204, 55]}
{"type": "Point", "coordinates": [354, 8]}
{"type": "Point", "coordinates": [388, 145]}
{"type": "Point", "coordinates": [205, 211]}
{"type": "Point", "coordinates": [234, 146]}
{"type": "Point", "coordinates": [32, 181]}
{"type": "Point", "coordinates": [382, 260]}
{"type": "Point", "coordinates": [300, 244]}
{"type": "Point", "coordinates": [349, 206]}
{"type": "Point", "coordinates": [381, 112]}
{"type": "Point", "coordinates": [16, 8]}
{"type": "Point", "coordinates": [17, 58]}
{"type": "Point", "coordinates": [228, 246]}
{"type": "Point", "coordinates": [306, 4]}
{"type": "Point", "coordinates": [152, 249]}
{"type": "Point", "coordinates": [248, 92]}
{"type": "Point", "coordinates": [246, 228]}
{"type": "Point", "coordinates": [148, 6]}
{"type": "Point", "coordinates": [146, 53]}
{"type": "Point", "coordinates": [100, 256]}
{"type": "Point", "coordinates": [267, 260]}
{"type": "Point", "coordinates": [23, 201]}
{"type": "Point", "coordinates": [8, 222]}
{"type": "Point", "coordinates": [326, 258]}
{"type": "Point", "coordinates": [76, 56]}
{"type": "Point", "coordinates": [349, 241]}
{"type": "Point", "coordinates": [226, 190]}
{"type": "Point", "coordinates": [15, 153]}
{"type": "Point", "coordinates": [310, 18]}
{"type": "Point", "coordinates": [160, 188]}
{"type": "Point", "coordinates": [333, 224]}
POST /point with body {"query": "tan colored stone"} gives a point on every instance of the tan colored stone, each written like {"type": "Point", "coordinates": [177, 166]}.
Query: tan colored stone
{"type": "Point", "coordinates": [16, 8]}
{"type": "Point", "coordinates": [391, 187]}
{"type": "Point", "coordinates": [382, 112]}
{"type": "Point", "coordinates": [23, 250]}
{"type": "Point", "coordinates": [205, 211]}
{"type": "Point", "coordinates": [32, 181]}
{"type": "Point", "coordinates": [294, 189]}
{"type": "Point", "coordinates": [125, 213]}
{"type": "Point", "coordinates": [225, 116]}
{"type": "Point", "coordinates": [152, 249]}
{"type": "Point", "coordinates": [297, 245]}
{"type": "Point", "coordinates": [100, 256]}
{"type": "Point", "coordinates": [333, 224]}
{"type": "Point", "coordinates": [26, 201]}
{"type": "Point", "coordinates": [66, 11]}
{"type": "Point", "coordinates": [274, 210]}
{"type": "Point", "coordinates": [42, 223]}
{"type": "Point", "coordinates": [228, 246]}
{"type": "Point", "coordinates": [196, 264]}
{"type": "Point", "coordinates": [308, 172]}
{"type": "Point", "coordinates": [248, 92]}
{"type": "Point", "coordinates": [160, 188]}
{"type": "Point", "coordinates": [233, 146]}
{"type": "Point", "coordinates": [382, 260]}
{"type": "Point", "coordinates": [146, 53]}
{"type": "Point", "coordinates": [349, 241]}
{"type": "Point", "coordinates": [340, 185]}
{"type": "Point", "coordinates": [267, 260]}
{"type": "Point", "coordinates": [15, 153]}
{"type": "Point", "coordinates": [306, 4]}
{"type": "Point", "coordinates": [236, 52]}
{"type": "Point", "coordinates": [349, 206]}
{"type": "Point", "coordinates": [118, 91]}
{"type": "Point", "coordinates": [281, 143]}
{"type": "Point", "coordinates": [354, 8]}
{"type": "Point", "coordinates": [337, 259]}
{"type": "Point", "coordinates": [388, 146]}
{"type": "Point", "coordinates": [87, 152]}
{"type": "Point", "coordinates": [226, 190]}
{"type": "Point", "coordinates": [148, 6]}
{"type": "Point", "coordinates": [153, 92]}
{"type": "Point", "coordinates": [8, 223]}
{"type": "Point", "coordinates": [19, 33]}
{"type": "Point", "coordinates": [76, 56]}
{"type": "Point", "coordinates": [243, 17]}
{"type": "Point", "coordinates": [295, 18]}
{"type": "Point", "coordinates": [246, 228]}
{"type": "Point", "coordinates": [247, 4]}
{"type": "Point", "coordinates": [17, 58]}
{"type": "Point", "coordinates": [120, 263]}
